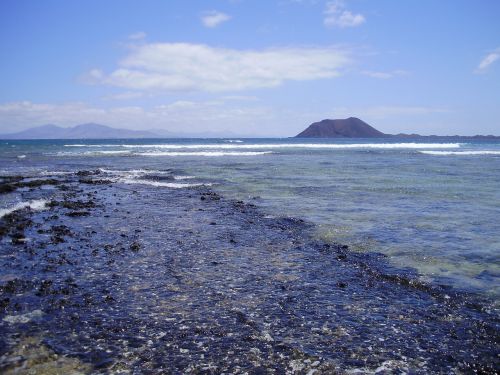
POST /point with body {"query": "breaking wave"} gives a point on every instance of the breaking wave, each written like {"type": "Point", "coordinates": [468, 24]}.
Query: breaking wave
{"type": "Point", "coordinates": [203, 153]}
{"type": "Point", "coordinates": [139, 176]}
{"type": "Point", "coordinates": [173, 185]}
{"type": "Point", "coordinates": [303, 145]}
{"type": "Point", "coordinates": [95, 153]}
{"type": "Point", "coordinates": [36, 205]}
{"type": "Point", "coordinates": [459, 153]}
{"type": "Point", "coordinates": [284, 145]}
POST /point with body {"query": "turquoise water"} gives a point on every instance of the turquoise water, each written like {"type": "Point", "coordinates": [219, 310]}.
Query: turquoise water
{"type": "Point", "coordinates": [433, 206]}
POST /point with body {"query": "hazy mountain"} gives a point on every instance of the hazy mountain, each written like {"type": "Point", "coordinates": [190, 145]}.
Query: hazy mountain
{"type": "Point", "coordinates": [351, 127]}
{"type": "Point", "coordinates": [96, 131]}
{"type": "Point", "coordinates": [83, 131]}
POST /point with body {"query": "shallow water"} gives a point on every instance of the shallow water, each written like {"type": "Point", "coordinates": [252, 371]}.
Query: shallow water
{"type": "Point", "coordinates": [115, 278]}
{"type": "Point", "coordinates": [433, 205]}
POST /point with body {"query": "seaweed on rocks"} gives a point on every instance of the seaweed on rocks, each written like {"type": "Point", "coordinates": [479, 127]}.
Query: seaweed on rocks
{"type": "Point", "coordinates": [86, 173]}
{"type": "Point", "coordinates": [38, 182]}
{"type": "Point", "coordinates": [15, 223]}
{"type": "Point", "coordinates": [7, 188]}
{"type": "Point", "coordinates": [77, 205]}
{"type": "Point", "coordinates": [78, 213]}
{"type": "Point", "coordinates": [94, 181]}
{"type": "Point", "coordinates": [210, 195]}
{"type": "Point", "coordinates": [8, 185]}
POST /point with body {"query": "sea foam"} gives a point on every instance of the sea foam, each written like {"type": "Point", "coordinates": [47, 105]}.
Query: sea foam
{"type": "Point", "coordinates": [136, 176]}
{"type": "Point", "coordinates": [301, 145]}
{"type": "Point", "coordinates": [36, 205]}
{"type": "Point", "coordinates": [459, 153]}
{"type": "Point", "coordinates": [133, 171]}
{"type": "Point", "coordinates": [203, 153]}
{"type": "Point", "coordinates": [95, 153]}
{"type": "Point", "coordinates": [173, 185]}
{"type": "Point", "coordinates": [256, 146]}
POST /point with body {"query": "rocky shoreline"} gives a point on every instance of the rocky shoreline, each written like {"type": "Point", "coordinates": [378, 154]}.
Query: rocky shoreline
{"type": "Point", "coordinates": [115, 278]}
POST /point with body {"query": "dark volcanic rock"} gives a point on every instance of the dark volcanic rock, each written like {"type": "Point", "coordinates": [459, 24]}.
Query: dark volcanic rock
{"type": "Point", "coordinates": [91, 181]}
{"type": "Point", "coordinates": [351, 127]}
{"type": "Point", "coordinates": [8, 185]}
{"type": "Point", "coordinates": [88, 173]}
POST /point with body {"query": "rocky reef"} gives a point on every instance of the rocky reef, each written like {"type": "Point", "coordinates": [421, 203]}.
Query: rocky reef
{"type": "Point", "coordinates": [113, 278]}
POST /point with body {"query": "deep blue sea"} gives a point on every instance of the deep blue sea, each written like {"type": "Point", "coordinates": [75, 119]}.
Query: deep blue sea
{"type": "Point", "coordinates": [434, 207]}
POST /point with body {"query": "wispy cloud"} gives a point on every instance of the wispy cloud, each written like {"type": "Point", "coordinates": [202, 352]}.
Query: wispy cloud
{"type": "Point", "coordinates": [214, 18]}
{"type": "Point", "coordinates": [384, 75]}
{"type": "Point", "coordinates": [336, 15]}
{"type": "Point", "coordinates": [138, 36]}
{"type": "Point", "coordinates": [197, 67]}
{"type": "Point", "coordinates": [244, 98]}
{"type": "Point", "coordinates": [127, 95]}
{"type": "Point", "coordinates": [487, 61]}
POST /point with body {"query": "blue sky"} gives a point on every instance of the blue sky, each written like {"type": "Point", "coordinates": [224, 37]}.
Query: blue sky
{"type": "Point", "coordinates": [251, 67]}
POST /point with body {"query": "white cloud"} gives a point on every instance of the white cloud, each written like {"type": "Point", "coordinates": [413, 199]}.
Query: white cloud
{"type": "Point", "coordinates": [337, 16]}
{"type": "Point", "coordinates": [487, 61]}
{"type": "Point", "coordinates": [214, 18]}
{"type": "Point", "coordinates": [197, 67]}
{"type": "Point", "coordinates": [384, 75]}
{"type": "Point", "coordinates": [245, 98]}
{"type": "Point", "coordinates": [127, 95]}
{"type": "Point", "coordinates": [137, 36]}
{"type": "Point", "coordinates": [93, 76]}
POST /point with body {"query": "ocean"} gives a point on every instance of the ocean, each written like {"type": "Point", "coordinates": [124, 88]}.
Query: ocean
{"type": "Point", "coordinates": [433, 207]}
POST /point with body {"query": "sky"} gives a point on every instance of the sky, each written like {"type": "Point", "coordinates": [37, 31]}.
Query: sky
{"type": "Point", "coordinates": [251, 67]}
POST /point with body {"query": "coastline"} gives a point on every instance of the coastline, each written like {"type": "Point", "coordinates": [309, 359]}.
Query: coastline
{"type": "Point", "coordinates": [118, 278]}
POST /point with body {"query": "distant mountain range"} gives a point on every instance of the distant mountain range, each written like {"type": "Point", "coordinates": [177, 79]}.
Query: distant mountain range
{"type": "Point", "coordinates": [353, 127]}
{"type": "Point", "coordinates": [97, 131]}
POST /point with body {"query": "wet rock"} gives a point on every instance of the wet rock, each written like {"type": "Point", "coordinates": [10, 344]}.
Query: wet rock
{"type": "Point", "coordinates": [15, 286]}
{"type": "Point", "coordinates": [15, 223]}
{"type": "Point", "coordinates": [135, 246]}
{"type": "Point", "coordinates": [9, 179]}
{"type": "Point", "coordinates": [38, 182]}
{"type": "Point", "coordinates": [4, 302]}
{"type": "Point", "coordinates": [61, 230]}
{"type": "Point", "coordinates": [78, 205]}
{"type": "Point", "coordinates": [341, 256]}
{"type": "Point", "coordinates": [88, 173]}
{"type": "Point", "coordinates": [91, 181]}
{"type": "Point", "coordinates": [44, 288]}
{"type": "Point", "coordinates": [158, 177]}
{"type": "Point", "coordinates": [210, 196]}
{"type": "Point", "coordinates": [17, 238]}
{"type": "Point", "coordinates": [78, 213]}
{"type": "Point", "coordinates": [6, 188]}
